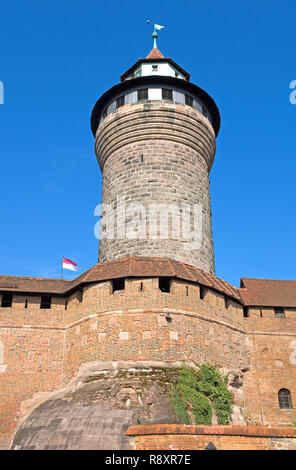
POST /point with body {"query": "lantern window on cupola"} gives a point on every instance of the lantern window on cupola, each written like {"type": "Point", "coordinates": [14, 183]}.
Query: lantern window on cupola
{"type": "Point", "coordinates": [119, 102]}
{"type": "Point", "coordinates": [167, 94]}
{"type": "Point", "coordinates": [143, 94]}
{"type": "Point", "coordinates": [137, 73]}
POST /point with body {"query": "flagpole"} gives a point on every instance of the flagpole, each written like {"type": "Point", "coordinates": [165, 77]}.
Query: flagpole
{"type": "Point", "coordinates": [62, 268]}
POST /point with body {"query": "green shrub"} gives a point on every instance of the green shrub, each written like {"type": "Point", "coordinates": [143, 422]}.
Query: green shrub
{"type": "Point", "coordinates": [179, 404]}
{"type": "Point", "coordinates": [202, 390]}
{"type": "Point", "coordinates": [201, 407]}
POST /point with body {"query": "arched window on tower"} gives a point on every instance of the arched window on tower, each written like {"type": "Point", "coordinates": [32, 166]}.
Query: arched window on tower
{"type": "Point", "coordinates": [285, 399]}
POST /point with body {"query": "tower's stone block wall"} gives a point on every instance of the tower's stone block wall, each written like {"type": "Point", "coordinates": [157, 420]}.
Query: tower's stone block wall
{"type": "Point", "coordinates": [157, 153]}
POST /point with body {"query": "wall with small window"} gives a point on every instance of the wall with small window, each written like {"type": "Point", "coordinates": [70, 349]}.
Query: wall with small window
{"type": "Point", "coordinates": [273, 313]}
{"type": "Point", "coordinates": [19, 309]}
{"type": "Point", "coordinates": [6, 300]}
{"type": "Point", "coordinates": [120, 317]}
{"type": "Point", "coordinates": [285, 400]}
{"type": "Point", "coordinates": [118, 285]}
{"type": "Point", "coordinates": [45, 302]}
{"type": "Point", "coordinates": [164, 284]}
{"type": "Point", "coordinates": [279, 312]}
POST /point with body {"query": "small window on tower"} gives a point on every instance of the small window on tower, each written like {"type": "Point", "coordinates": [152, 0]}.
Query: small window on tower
{"type": "Point", "coordinates": [6, 300]}
{"type": "Point", "coordinates": [227, 301]}
{"type": "Point", "coordinates": [164, 284]}
{"type": "Point", "coordinates": [45, 302]}
{"type": "Point", "coordinates": [143, 94]}
{"type": "Point", "coordinates": [167, 94]}
{"type": "Point", "coordinates": [154, 68]}
{"type": "Point", "coordinates": [189, 100]}
{"type": "Point", "coordinates": [80, 294]}
{"type": "Point", "coordinates": [285, 401]}
{"type": "Point", "coordinates": [118, 285]}
{"type": "Point", "coordinates": [279, 312]}
{"type": "Point", "coordinates": [202, 292]}
{"type": "Point", "coordinates": [120, 102]}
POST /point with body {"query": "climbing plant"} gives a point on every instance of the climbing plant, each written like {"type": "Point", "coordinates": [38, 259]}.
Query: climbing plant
{"type": "Point", "coordinates": [201, 391]}
{"type": "Point", "coordinates": [180, 405]}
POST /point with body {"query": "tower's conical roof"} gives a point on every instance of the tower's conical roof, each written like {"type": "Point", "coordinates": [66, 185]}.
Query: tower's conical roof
{"type": "Point", "coordinates": [155, 54]}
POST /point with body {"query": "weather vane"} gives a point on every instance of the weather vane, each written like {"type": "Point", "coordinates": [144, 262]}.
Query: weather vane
{"type": "Point", "coordinates": [155, 34]}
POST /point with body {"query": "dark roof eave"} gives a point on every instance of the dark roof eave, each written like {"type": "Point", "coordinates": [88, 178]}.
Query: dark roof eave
{"type": "Point", "coordinates": [128, 84]}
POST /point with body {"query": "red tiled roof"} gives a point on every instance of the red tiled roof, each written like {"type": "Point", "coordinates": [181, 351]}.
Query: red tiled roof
{"type": "Point", "coordinates": [253, 292]}
{"type": "Point", "coordinates": [268, 292]}
{"type": "Point", "coordinates": [155, 54]}
{"type": "Point", "coordinates": [133, 266]}
{"type": "Point", "coordinates": [32, 284]}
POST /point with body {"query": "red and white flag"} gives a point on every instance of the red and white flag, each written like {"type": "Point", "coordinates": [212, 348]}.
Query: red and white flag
{"type": "Point", "coordinates": [68, 264]}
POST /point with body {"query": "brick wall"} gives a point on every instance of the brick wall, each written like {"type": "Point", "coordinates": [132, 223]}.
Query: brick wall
{"type": "Point", "coordinates": [180, 437]}
{"type": "Point", "coordinates": [132, 325]}
{"type": "Point", "coordinates": [271, 344]}
{"type": "Point", "coordinates": [42, 350]}
{"type": "Point", "coordinates": [31, 362]}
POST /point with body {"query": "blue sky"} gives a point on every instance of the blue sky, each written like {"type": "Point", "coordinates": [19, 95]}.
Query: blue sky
{"type": "Point", "coordinates": [57, 58]}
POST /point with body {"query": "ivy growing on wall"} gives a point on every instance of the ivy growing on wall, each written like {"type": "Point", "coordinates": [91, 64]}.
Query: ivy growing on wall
{"type": "Point", "coordinates": [201, 391]}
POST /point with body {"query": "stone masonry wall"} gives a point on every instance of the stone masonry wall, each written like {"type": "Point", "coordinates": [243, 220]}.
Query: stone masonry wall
{"type": "Point", "coordinates": [99, 405]}
{"type": "Point", "coordinates": [156, 153]}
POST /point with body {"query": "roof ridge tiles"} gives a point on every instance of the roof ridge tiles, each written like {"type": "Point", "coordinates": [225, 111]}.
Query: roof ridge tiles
{"type": "Point", "coordinates": [4, 276]}
{"type": "Point", "coordinates": [267, 279]}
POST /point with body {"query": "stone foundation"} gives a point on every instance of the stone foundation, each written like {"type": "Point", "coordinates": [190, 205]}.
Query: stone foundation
{"type": "Point", "coordinates": [98, 406]}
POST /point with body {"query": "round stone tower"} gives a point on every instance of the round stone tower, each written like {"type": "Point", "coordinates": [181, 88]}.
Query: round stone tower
{"type": "Point", "coordinates": [155, 141]}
